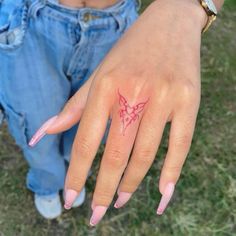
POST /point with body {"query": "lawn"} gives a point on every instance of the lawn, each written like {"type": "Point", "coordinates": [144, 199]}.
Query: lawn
{"type": "Point", "coordinates": [204, 203]}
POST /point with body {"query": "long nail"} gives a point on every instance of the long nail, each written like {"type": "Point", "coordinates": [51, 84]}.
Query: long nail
{"type": "Point", "coordinates": [98, 213]}
{"type": "Point", "coordinates": [123, 198]}
{"type": "Point", "coordinates": [41, 132]}
{"type": "Point", "coordinates": [70, 196]}
{"type": "Point", "coordinates": [169, 190]}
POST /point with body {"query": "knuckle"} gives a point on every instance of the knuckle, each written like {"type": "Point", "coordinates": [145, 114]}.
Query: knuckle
{"type": "Point", "coordinates": [164, 92]}
{"type": "Point", "coordinates": [76, 99]}
{"type": "Point", "coordinates": [73, 105]}
{"type": "Point", "coordinates": [74, 182]}
{"type": "Point", "coordinates": [172, 171]}
{"type": "Point", "coordinates": [144, 157]}
{"type": "Point", "coordinates": [189, 92]}
{"type": "Point", "coordinates": [82, 147]}
{"type": "Point", "coordinates": [173, 168]}
{"type": "Point", "coordinates": [115, 157]}
{"type": "Point", "coordinates": [102, 197]}
{"type": "Point", "coordinates": [103, 193]}
{"type": "Point", "coordinates": [183, 141]}
{"type": "Point", "coordinates": [103, 84]}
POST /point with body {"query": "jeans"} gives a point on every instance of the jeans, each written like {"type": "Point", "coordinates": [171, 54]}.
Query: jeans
{"type": "Point", "coordinates": [47, 52]}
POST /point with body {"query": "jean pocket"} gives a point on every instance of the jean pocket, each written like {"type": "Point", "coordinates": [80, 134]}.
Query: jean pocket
{"type": "Point", "coordinates": [13, 24]}
{"type": "Point", "coordinates": [16, 125]}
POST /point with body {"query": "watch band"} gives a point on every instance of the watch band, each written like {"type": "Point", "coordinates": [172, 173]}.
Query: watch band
{"type": "Point", "coordinates": [211, 12]}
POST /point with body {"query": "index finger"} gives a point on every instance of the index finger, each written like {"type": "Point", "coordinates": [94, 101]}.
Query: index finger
{"type": "Point", "coordinates": [88, 138]}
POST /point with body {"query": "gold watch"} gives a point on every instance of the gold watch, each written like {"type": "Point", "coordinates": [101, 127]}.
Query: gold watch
{"type": "Point", "coordinates": [210, 9]}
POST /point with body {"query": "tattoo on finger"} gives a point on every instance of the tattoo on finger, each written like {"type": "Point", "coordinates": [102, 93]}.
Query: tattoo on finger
{"type": "Point", "coordinates": [129, 114]}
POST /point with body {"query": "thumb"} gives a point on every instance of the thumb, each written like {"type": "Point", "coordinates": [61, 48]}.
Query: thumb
{"type": "Point", "coordinates": [68, 117]}
{"type": "Point", "coordinates": [72, 111]}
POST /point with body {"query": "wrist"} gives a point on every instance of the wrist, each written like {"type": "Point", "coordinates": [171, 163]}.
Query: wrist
{"type": "Point", "coordinates": [190, 11]}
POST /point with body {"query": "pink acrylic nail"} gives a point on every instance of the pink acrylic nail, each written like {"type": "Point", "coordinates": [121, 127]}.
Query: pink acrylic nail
{"type": "Point", "coordinates": [70, 196]}
{"type": "Point", "coordinates": [169, 190]}
{"type": "Point", "coordinates": [123, 198]}
{"type": "Point", "coordinates": [41, 132]}
{"type": "Point", "coordinates": [98, 213]}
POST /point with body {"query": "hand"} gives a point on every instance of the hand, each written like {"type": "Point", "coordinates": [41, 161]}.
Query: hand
{"type": "Point", "coordinates": [150, 77]}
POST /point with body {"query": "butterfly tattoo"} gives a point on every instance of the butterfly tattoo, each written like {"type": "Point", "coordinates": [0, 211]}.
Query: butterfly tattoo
{"type": "Point", "coordinates": [129, 114]}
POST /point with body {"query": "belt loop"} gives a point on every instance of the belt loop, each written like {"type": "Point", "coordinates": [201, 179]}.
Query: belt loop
{"type": "Point", "coordinates": [120, 20]}
{"type": "Point", "coordinates": [35, 6]}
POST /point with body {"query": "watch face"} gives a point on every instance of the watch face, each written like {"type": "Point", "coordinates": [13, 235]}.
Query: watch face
{"type": "Point", "coordinates": [211, 6]}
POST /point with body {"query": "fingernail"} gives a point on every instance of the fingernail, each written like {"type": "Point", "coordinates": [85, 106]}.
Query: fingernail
{"type": "Point", "coordinates": [123, 198]}
{"type": "Point", "coordinates": [98, 213]}
{"type": "Point", "coordinates": [169, 190]}
{"type": "Point", "coordinates": [41, 132]}
{"type": "Point", "coordinates": [70, 197]}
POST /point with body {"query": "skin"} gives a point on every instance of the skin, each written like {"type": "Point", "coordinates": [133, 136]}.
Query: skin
{"type": "Point", "coordinates": [161, 71]}
{"type": "Point", "coordinates": [88, 3]}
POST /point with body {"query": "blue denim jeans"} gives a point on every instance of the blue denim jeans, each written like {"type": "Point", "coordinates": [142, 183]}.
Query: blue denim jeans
{"type": "Point", "coordinates": [47, 52]}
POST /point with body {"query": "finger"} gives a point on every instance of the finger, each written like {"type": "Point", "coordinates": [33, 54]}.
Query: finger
{"type": "Point", "coordinates": [41, 132]}
{"type": "Point", "coordinates": [144, 152]}
{"type": "Point", "coordinates": [120, 141]}
{"type": "Point", "coordinates": [181, 133]}
{"type": "Point", "coordinates": [71, 113]}
{"type": "Point", "coordinates": [89, 135]}
{"type": "Point", "coordinates": [68, 117]}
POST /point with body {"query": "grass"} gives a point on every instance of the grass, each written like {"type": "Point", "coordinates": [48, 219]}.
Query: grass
{"type": "Point", "coordinates": [204, 202]}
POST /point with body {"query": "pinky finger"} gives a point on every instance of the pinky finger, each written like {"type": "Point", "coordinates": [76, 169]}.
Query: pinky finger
{"type": "Point", "coordinates": [181, 133]}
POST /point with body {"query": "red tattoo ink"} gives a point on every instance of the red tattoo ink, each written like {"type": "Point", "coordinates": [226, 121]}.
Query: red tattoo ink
{"type": "Point", "coordinates": [129, 114]}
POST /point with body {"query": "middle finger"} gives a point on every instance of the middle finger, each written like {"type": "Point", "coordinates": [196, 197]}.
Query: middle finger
{"type": "Point", "coordinates": [124, 126]}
